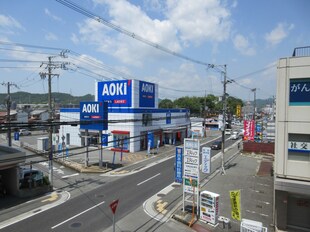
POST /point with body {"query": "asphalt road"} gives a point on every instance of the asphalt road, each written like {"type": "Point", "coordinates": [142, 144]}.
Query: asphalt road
{"type": "Point", "coordinates": [90, 211]}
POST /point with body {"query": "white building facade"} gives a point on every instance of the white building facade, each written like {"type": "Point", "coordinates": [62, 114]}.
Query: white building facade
{"type": "Point", "coordinates": [134, 118]}
{"type": "Point", "coordinates": [292, 145]}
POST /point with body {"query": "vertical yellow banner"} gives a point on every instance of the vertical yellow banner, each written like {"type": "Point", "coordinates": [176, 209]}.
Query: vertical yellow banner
{"type": "Point", "coordinates": [235, 198]}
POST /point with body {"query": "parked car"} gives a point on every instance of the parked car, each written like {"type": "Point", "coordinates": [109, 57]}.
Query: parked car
{"type": "Point", "coordinates": [24, 132]}
{"type": "Point", "coordinates": [217, 145]}
{"type": "Point", "coordinates": [241, 132]}
{"type": "Point", "coordinates": [234, 135]}
{"type": "Point", "coordinates": [228, 132]}
{"type": "Point", "coordinates": [27, 175]}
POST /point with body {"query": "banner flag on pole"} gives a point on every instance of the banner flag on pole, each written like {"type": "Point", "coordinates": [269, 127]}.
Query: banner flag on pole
{"type": "Point", "coordinates": [235, 199]}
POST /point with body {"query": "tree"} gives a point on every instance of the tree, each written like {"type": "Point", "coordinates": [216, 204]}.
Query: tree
{"type": "Point", "coordinates": [166, 103]}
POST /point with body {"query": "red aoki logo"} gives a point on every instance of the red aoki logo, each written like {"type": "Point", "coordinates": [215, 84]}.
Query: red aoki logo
{"type": "Point", "coordinates": [120, 101]}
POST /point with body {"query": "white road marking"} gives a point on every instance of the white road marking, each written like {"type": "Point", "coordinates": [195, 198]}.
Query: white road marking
{"type": "Point", "coordinates": [77, 215]}
{"type": "Point", "coordinates": [75, 174]}
{"type": "Point", "coordinates": [148, 179]}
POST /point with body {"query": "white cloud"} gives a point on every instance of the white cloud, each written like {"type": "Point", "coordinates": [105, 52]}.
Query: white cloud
{"type": "Point", "coordinates": [7, 23]}
{"type": "Point", "coordinates": [178, 28]}
{"type": "Point", "coordinates": [279, 33]}
{"type": "Point", "coordinates": [51, 37]}
{"type": "Point", "coordinates": [74, 38]}
{"type": "Point", "coordinates": [242, 44]}
{"type": "Point", "coordinates": [54, 17]}
{"type": "Point", "coordinates": [199, 20]}
{"type": "Point", "coordinates": [133, 19]}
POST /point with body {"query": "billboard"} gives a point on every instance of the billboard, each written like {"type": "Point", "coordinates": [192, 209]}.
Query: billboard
{"type": "Point", "coordinates": [146, 94]}
{"type": "Point", "coordinates": [94, 115]}
{"type": "Point", "coordinates": [249, 127]}
{"type": "Point", "coordinates": [115, 93]}
{"type": "Point", "coordinates": [179, 164]}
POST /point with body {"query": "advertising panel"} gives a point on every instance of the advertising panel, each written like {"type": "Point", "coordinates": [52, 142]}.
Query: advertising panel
{"type": "Point", "coordinates": [235, 198]}
{"type": "Point", "coordinates": [115, 93]}
{"type": "Point", "coordinates": [206, 160]}
{"type": "Point", "coordinates": [178, 164]}
{"type": "Point", "coordinates": [300, 92]}
{"type": "Point", "coordinates": [249, 128]}
{"type": "Point", "coordinates": [191, 163]}
{"type": "Point", "coordinates": [146, 94]}
{"type": "Point", "coordinates": [94, 115]}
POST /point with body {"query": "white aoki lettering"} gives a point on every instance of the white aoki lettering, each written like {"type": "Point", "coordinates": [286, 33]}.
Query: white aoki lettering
{"type": "Point", "coordinates": [114, 89]}
{"type": "Point", "coordinates": [147, 88]}
{"type": "Point", "coordinates": [90, 108]}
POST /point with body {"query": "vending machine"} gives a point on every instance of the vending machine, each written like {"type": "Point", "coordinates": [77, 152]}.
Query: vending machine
{"type": "Point", "coordinates": [209, 207]}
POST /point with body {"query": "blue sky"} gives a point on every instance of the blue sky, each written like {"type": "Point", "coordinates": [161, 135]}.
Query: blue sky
{"type": "Point", "coordinates": [246, 35]}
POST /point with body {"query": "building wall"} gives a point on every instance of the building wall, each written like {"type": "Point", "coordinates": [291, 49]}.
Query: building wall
{"type": "Point", "coordinates": [292, 161]}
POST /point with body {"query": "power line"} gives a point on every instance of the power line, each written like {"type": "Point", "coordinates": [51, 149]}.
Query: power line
{"type": "Point", "coordinates": [117, 28]}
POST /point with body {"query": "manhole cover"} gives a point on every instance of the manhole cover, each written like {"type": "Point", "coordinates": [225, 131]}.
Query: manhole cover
{"type": "Point", "coordinates": [176, 185]}
{"type": "Point", "coordinates": [76, 225]}
{"type": "Point", "coordinates": [161, 195]}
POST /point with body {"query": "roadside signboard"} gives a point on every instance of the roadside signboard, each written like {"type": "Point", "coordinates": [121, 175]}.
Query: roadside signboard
{"type": "Point", "coordinates": [206, 160]}
{"type": "Point", "coordinates": [191, 162]}
{"type": "Point", "coordinates": [178, 164]}
{"type": "Point", "coordinates": [113, 206]}
{"type": "Point", "coordinates": [249, 128]}
{"type": "Point", "coordinates": [94, 115]}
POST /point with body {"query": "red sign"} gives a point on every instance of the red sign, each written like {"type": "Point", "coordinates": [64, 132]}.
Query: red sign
{"type": "Point", "coordinates": [113, 206]}
{"type": "Point", "coordinates": [249, 128]}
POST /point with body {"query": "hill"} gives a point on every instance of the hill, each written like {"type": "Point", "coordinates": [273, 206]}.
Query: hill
{"type": "Point", "coordinates": [36, 98]}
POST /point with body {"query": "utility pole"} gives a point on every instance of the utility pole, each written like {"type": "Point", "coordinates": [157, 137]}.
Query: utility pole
{"type": "Point", "coordinates": [224, 120]}
{"type": "Point", "coordinates": [8, 113]}
{"type": "Point", "coordinates": [204, 116]}
{"type": "Point", "coordinates": [49, 74]}
{"type": "Point", "coordinates": [52, 65]}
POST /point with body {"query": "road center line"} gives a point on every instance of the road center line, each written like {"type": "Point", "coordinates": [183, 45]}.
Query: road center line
{"type": "Point", "coordinates": [76, 215]}
{"type": "Point", "coordinates": [148, 179]}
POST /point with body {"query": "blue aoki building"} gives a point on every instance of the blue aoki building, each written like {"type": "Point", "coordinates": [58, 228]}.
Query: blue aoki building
{"type": "Point", "coordinates": [134, 119]}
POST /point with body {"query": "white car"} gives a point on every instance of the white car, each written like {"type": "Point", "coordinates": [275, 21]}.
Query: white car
{"type": "Point", "coordinates": [24, 132]}
{"type": "Point", "coordinates": [234, 135]}
{"type": "Point", "coordinates": [228, 132]}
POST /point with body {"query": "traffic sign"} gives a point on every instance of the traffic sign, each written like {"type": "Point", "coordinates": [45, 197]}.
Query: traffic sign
{"type": "Point", "coordinates": [113, 206]}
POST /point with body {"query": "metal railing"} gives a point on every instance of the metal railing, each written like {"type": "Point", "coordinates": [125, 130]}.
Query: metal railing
{"type": "Point", "coordinates": [302, 51]}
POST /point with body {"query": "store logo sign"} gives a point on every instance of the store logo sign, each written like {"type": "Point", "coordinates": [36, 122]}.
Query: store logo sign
{"type": "Point", "coordinates": [113, 89]}
{"type": "Point", "coordinates": [90, 108]}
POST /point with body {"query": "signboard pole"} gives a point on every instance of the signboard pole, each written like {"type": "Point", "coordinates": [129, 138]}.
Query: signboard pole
{"type": "Point", "coordinates": [86, 143]}
{"type": "Point", "coordinates": [100, 144]}
{"type": "Point", "coordinates": [113, 207]}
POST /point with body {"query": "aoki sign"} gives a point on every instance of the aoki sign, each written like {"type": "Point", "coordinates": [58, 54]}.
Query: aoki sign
{"type": "Point", "coordinates": [94, 115]}
{"type": "Point", "coordinates": [115, 93]}
{"type": "Point", "coordinates": [146, 94]}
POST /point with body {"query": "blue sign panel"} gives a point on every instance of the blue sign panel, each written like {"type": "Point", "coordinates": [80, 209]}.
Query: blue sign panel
{"type": "Point", "coordinates": [115, 93]}
{"type": "Point", "coordinates": [150, 139]}
{"type": "Point", "coordinates": [94, 115]}
{"type": "Point", "coordinates": [146, 94]}
{"type": "Point", "coordinates": [179, 164]}
{"type": "Point", "coordinates": [168, 118]}
{"type": "Point", "coordinates": [104, 140]}
{"type": "Point", "coordinates": [16, 136]}
{"type": "Point", "coordinates": [300, 92]}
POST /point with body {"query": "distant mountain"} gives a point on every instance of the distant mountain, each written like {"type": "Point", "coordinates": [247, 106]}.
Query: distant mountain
{"type": "Point", "coordinates": [260, 103]}
{"type": "Point", "coordinates": [35, 98]}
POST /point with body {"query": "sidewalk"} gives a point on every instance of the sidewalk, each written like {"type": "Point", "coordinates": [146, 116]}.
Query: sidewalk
{"type": "Point", "coordinates": [244, 172]}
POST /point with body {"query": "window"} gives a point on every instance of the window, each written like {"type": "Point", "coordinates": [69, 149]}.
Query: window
{"type": "Point", "coordinates": [146, 119]}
